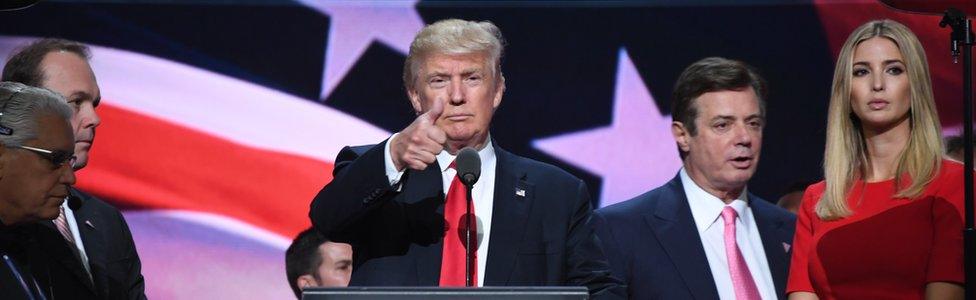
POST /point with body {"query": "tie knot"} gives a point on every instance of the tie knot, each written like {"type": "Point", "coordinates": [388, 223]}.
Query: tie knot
{"type": "Point", "coordinates": [729, 214]}
{"type": "Point", "coordinates": [453, 164]}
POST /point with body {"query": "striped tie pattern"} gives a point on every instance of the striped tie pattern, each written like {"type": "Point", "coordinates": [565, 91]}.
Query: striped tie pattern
{"type": "Point", "coordinates": [62, 224]}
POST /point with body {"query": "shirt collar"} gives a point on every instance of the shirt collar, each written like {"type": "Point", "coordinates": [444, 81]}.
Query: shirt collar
{"type": "Point", "coordinates": [705, 207]}
{"type": "Point", "coordinates": [487, 153]}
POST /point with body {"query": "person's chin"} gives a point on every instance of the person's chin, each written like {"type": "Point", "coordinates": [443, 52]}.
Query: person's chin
{"type": "Point", "coordinates": [882, 119]}
{"type": "Point", "coordinates": [82, 147]}
{"type": "Point", "coordinates": [50, 213]}
{"type": "Point", "coordinates": [460, 133]}
{"type": "Point", "coordinates": [875, 119]}
{"type": "Point", "coordinates": [741, 176]}
{"type": "Point", "coordinates": [81, 160]}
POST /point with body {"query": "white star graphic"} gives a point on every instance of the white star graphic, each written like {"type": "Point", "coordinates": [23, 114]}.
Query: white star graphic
{"type": "Point", "coordinates": [354, 25]}
{"type": "Point", "coordinates": [634, 154]}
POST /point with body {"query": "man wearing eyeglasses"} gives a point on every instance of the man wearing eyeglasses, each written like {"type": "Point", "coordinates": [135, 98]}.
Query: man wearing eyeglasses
{"type": "Point", "coordinates": [36, 152]}
{"type": "Point", "coordinates": [96, 255]}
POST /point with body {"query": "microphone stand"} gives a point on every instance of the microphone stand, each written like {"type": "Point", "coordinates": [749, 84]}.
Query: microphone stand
{"type": "Point", "coordinates": [962, 37]}
{"type": "Point", "coordinates": [468, 249]}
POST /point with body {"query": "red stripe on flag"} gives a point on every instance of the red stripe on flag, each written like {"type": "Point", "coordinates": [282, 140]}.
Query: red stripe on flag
{"type": "Point", "coordinates": [142, 161]}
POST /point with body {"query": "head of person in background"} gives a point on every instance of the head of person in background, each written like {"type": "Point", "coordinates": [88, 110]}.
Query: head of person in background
{"type": "Point", "coordinates": [314, 261]}
{"type": "Point", "coordinates": [63, 67]}
{"type": "Point", "coordinates": [36, 152]}
{"type": "Point", "coordinates": [881, 86]}
{"type": "Point", "coordinates": [793, 195]}
{"type": "Point", "coordinates": [719, 114]}
{"type": "Point", "coordinates": [955, 147]}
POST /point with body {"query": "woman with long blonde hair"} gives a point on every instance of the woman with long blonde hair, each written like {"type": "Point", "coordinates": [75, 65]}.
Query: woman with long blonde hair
{"type": "Point", "coordinates": [886, 222]}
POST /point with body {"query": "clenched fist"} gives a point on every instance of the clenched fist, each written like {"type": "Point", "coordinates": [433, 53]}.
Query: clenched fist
{"type": "Point", "coordinates": [417, 146]}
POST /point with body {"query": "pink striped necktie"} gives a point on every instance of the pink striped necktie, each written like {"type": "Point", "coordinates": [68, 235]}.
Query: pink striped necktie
{"type": "Point", "coordinates": [742, 283]}
{"type": "Point", "coordinates": [62, 224]}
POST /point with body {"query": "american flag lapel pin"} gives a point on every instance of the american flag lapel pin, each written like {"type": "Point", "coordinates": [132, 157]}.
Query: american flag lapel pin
{"type": "Point", "coordinates": [786, 247]}
{"type": "Point", "coordinates": [520, 192]}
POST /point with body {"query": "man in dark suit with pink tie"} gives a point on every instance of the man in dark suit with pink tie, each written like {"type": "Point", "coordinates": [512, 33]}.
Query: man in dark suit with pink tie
{"type": "Point", "coordinates": [703, 235]}
{"type": "Point", "coordinates": [400, 203]}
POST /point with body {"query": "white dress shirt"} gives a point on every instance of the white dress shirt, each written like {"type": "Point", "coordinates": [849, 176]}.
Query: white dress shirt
{"type": "Point", "coordinates": [483, 193]}
{"type": "Point", "coordinates": [706, 209]}
{"type": "Point", "coordinates": [69, 216]}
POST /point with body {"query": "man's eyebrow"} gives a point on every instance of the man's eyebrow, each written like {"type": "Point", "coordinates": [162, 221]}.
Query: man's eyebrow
{"type": "Point", "coordinates": [79, 95]}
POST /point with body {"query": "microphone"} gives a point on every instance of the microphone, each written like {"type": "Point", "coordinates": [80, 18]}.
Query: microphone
{"type": "Point", "coordinates": [468, 165]}
{"type": "Point", "coordinates": [74, 202]}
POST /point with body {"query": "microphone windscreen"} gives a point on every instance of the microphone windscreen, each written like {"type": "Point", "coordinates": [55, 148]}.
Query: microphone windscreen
{"type": "Point", "coordinates": [74, 202]}
{"type": "Point", "coordinates": [468, 165]}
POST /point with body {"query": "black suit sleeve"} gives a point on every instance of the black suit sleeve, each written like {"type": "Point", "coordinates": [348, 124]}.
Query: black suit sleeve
{"type": "Point", "coordinates": [134, 281]}
{"type": "Point", "coordinates": [359, 186]}
{"type": "Point", "coordinates": [586, 262]}
{"type": "Point", "coordinates": [611, 248]}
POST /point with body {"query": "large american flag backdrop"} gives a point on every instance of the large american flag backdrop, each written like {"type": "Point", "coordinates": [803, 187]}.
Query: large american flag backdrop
{"type": "Point", "coordinates": [221, 120]}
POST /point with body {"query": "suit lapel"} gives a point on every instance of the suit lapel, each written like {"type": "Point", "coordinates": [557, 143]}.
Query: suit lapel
{"type": "Point", "coordinates": [421, 185]}
{"type": "Point", "coordinates": [513, 196]}
{"type": "Point", "coordinates": [86, 220]}
{"type": "Point", "coordinates": [63, 253]}
{"type": "Point", "coordinates": [775, 238]}
{"type": "Point", "coordinates": [675, 228]}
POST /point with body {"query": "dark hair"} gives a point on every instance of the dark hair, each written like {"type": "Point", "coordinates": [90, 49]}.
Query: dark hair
{"type": "Point", "coordinates": [302, 257]}
{"type": "Point", "coordinates": [25, 65]}
{"type": "Point", "coordinates": [712, 74]}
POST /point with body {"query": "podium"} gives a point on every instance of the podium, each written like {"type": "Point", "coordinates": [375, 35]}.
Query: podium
{"type": "Point", "coordinates": [438, 293]}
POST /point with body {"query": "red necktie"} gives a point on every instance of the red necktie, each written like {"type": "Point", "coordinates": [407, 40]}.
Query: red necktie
{"type": "Point", "coordinates": [452, 258]}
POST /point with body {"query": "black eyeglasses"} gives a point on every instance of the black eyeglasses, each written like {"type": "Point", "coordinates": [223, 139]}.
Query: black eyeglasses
{"type": "Point", "coordinates": [56, 157]}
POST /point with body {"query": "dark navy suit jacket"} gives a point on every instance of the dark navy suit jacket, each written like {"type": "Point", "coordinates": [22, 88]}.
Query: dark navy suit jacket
{"type": "Point", "coordinates": [654, 246]}
{"type": "Point", "coordinates": [115, 265]}
{"type": "Point", "coordinates": [540, 228]}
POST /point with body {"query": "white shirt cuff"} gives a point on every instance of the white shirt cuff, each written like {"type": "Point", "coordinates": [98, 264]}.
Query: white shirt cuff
{"type": "Point", "coordinates": [391, 172]}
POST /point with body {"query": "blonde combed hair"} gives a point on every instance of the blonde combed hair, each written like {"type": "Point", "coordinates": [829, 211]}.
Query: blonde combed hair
{"type": "Point", "coordinates": [846, 157]}
{"type": "Point", "coordinates": [454, 37]}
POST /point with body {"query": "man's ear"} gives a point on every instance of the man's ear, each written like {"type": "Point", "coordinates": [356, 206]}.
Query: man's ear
{"type": "Point", "coordinates": [499, 91]}
{"type": "Point", "coordinates": [306, 281]}
{"type": "Point", "coordinates": [681, 135]}
{"type": "Point", "coordinates": [415, 101]}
